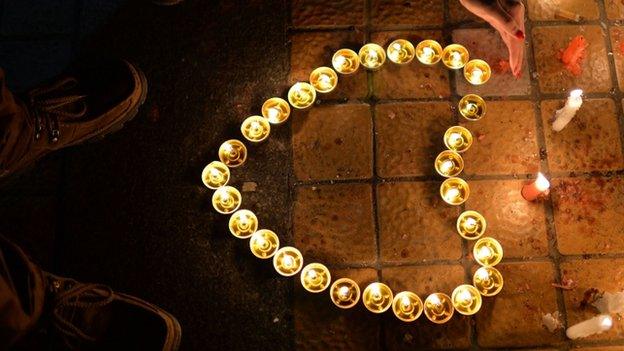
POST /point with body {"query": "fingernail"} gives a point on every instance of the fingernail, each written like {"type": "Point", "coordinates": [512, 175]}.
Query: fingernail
{"type": "Point", "coordinates": [520, 34]}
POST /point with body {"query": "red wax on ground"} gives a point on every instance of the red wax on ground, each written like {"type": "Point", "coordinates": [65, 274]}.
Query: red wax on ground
{"type": "Point", "coordinates": [574, 54]}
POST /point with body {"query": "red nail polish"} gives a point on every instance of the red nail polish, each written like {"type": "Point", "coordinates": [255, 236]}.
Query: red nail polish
{"type": "Point", "coordinates": [520, 34]}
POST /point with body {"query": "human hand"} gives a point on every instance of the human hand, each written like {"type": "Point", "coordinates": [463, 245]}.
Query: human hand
{"type": "Point", "coordinates": [507, 17]}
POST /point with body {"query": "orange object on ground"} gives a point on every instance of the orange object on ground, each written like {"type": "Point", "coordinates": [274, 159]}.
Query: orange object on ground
{"type": "Point", "coordinates": [574, 54]}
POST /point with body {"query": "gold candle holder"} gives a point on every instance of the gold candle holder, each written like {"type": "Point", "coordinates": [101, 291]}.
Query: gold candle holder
{"type": "Point", "coordinates": [449, 163]}
{"type": "Point", "coordinates": [458, 139]}
{"type": "Point", "coordinates": [226, 199]}
{"type": "Point", "coordinates": [315, 277]}
{"type": "Point", "coordinates": [429, 52]}
{"type": "Point", "coordinates": [401, 51]}
{"type": "Point", "coordinates": [488, 281]}
{"type": "Point", "coordinates": [276, 110]}
{"type": "Point", "coordinates": [407, 306]}
{"type": "Point", "coordinates": [346, 61]}
{"type": "Point", "coordinates": [455, 56]}
{"type": "Point", "coordinates": [255, 128]}
{"type": "Point", "coordinates": [472, 107]}
{"type": "Point", "coordinates": [215, 174]}
{"type": "Point", "coordinates": [454, 191]}
{"type": "Point", "coordinates": [264, 243]}
{"type": "Point", "coordinates": [233, 153]}
{"type": "Point", "coordinates": [324, 79]}
{"type": "Point", "coordinates": [377, 297]}
{"type": "Point", "coordinates": [471, 225]}
{"type": "Point", "coordinates": [438, 308]}
{"type": "Point", "coordinates": [372, 56]}
{"type": "Point", "coordinates": [487, 252]}
{"type": "Point", "coordinates": [288, 261]}
{"type": "Point", "coordinates": [477, 72]}
{"type": "Point", "coordinates": [243, 223]}
{"type": "Point", "coordinates": [466, 299]}
{"type": "Point", "coordinates": [344, 293]}
{"type": "Point", "coordinates": [301, 95]}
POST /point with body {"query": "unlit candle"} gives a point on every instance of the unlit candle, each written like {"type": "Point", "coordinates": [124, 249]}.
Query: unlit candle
{"type": "Point", "coordinates": [564, 115]}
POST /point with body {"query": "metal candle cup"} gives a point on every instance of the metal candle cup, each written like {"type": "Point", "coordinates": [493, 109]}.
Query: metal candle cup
{"type": "Point", "coordinates": [243, 223]}
{"type": "Point", "coordinates": [226, 199]}
{"type": "Point", "coordinates": [400, 51]}
{"type": "Point", "coordinates": [315, 277]}
{"type": "Point", "coordinates": [344, 293]}
{"type": "Point", "coordinates": [407, 306]}
{"type": "Point", "coordinates": [472, 107]}
{"type": "Point", "coordinates": [455, 56]}
{"type": "Point", "coordinates": [301, 95]}
{"type": "Point", "coordinates": [255, 128]}
{"type": "Point", "coordinates": [449, 163]}
{"type": "Point", "coordinates": [471, 225]}
{"type": "Point", "coordinates": [438, 308]}
{"type": "Point", "coordinates": [372, 56]}
{"type": "Point", "coordinates": [288, 261]}
{"type": "Point", "coordinates": [477, 72]}
{"type": "Point", "coordinates": [346, 61]}
{"type": "Point", "coordinates": [377, 297]}
{"type": "Point", "coordinates": [429, 52]}
{"type": "Point", "coordinates": [264, 243]}
{"type": "Point", "coordinates": [324, 79]}
{"type": "Point", "coordinates": [466, 299]}
{"type": "Point", "coordinates": [233, 153]}
{"type": "Point", "coordinates": [215, 175]}
{"type": "Point", "coordinates": [488, 252]}
{"type": "Point", "coordinates": [454, 191]}
{"type": "Point", "coordinates": [458, 139]}
{"type": "Point", "coordinates": [488, 280]}
{"type": "Point", "coordinates": [276, 110]}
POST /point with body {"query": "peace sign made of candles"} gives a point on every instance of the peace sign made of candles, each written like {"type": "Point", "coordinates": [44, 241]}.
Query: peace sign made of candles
{"type": "Point", "coordinates": [315, 277]}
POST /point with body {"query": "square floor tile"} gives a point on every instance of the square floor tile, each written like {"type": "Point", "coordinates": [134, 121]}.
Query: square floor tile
{"type": "Point", "coordinates": [333, 224]}
{"type": "Point", "coordinates": [423, 281]}
{"type": "Point", "coordinates": [602, 274]}
{"type": "Point", "coordinates": [588, 215]}
{"type": "Point", "coordinates": [333, 142]}
{"type": "Point", "coordinates": [558, 10]}
{"type": "Point", "coordinates": [415, 224]}
{"type": "Point", "coordinates": [459, 14]}
{"type": "Point", "coordinates": [600, 348]}
{"type": "Point", "coordinates": [315, 49]}
{"type": "Point", "coordinates": [615, 9]}
{"type": "Point", "coordinates": [504, 140]}
{"type": "Point", "coordinates": [590, 142]}
{"type": "Point", "coordinates": [495, 53]}
{"type": "Point", "coordinates": [319, 325]}
{"type": "Point", "coordinates": [312, 13]}
{"type": "Point", "coordinates": [412, 80]}
{"type": "Point", "coordinates": [409, 136]}
{"type": "Point", "coordinates": [519, 225]}
{"type": "Point", "coordinates": [617, 45]}
{"type": "Point", "coordinates": [514, 317]}
{"type": "Point", "coordinates": [395, 13]}
{"type": "Point", "coordinates": [553, 76]}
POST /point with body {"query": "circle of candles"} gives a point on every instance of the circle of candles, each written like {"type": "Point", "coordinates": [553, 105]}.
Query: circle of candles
{"type": "Point", "coordinates": [215, 174]}
{"type": "Point", "coordinates": [315, 277]}
{"type": "Point", "coordinates": [233, 153]}
{"type": "Point", "coordinates": [344, 293]}
{"type": "Point", "coordinates": [488, 281]}
{"type": "Point", "coordinates": [466, 299]}
{"type": "Point", "coordinates": [301, 95]}
{"type": "Point", "coordinates": [429, 52]}
{"type": "Point", "coordinates": [401, 51]}
{"type": "Point", "coordinates": [264, 243]}
{"type": "Point", "coordinates": [226, 199]}
{"type": "Point", "coordinates": [276, 110]}
{"type": "Point", "coordinates": [288, 261]}
{"type": "Point", "coordinates": [372, 56]}
{"type": "Point", "coordinates": [455, 56]}
{"type": "Point", "coordinates": [324, 79]}
{"type": "Point", "coordinates": [471, 225]}
{"type": "Point", "coordinates": [346, 61]}
{"type": "Point", "coordinates": [377, 297]}
{"type": "Point", "coordinates": [407, 306]}
{"type": "Point", "coordinates": [243, 223]}
{"type": "Point", "coordinates": [255, 128]}
{"type": "Point", "coordinates": [472, 107]}
{"type": "Point", "coordinates": [438, 308]}
{"type": "Point", "coordinates": [477, 72]}
{"type": "Point", "coordinates": [487, 252]}
{"type": "Point", "coordinates": [449, 163]}
{"type": "Point", "coordinates": [458, 139]}
{"type": "Point", "coordinates": [454, 191]}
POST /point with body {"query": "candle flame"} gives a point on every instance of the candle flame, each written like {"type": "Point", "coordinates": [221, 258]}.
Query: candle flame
{"type": "Point", "coordinates": [244, 220]}
{"type": "Point", "coordinates": [455, 139]}
{"type": "Point", "coordinates": [428, 52]}
{"type": "Point", "coordinates": [471, 222]}
{"type": "Point", "coordinates": [456, 57]}
{"type": "Point", "coordinates": [452, 194]}
{"type": "Point", "coordinates": [227, 147]}
{"type": "Point", "coordinates": [324, 79]}
{"type": "Point", "coordinates": [576, 93]}
{"type": "Point", "coordinates": [483, 274]}
{"type": "Point", "coordinates": [375, 291]}
{"type": "Point", "coordinates": [343, 291]}
{"type": "Point", "coordinates": [476, 75]}
{"type": "Point", "coordinates": [406, 301]}
{"type": "Point", "coordinates": [465, 296]}
{"type": "Point", "coordinates": [341, 60]}
{"type": "Point", "coordinates": [446, 166]}
{"type": "Point", "coordinates": [312, 274]}
{"type": "Point", "coordinates": [541, 183]}
{"type": "Point", "coordinates": [484, 252]}
{"type": "Point", "coordinates": [215, 173]}
{"type": "Point", "coordinates": [606, 322]}
{"type": "Point", "coordinates": [397, 46]}
{"type": "Point", "coordinates": [273, 113]}
{"type": "Point", "coordinates": [288, 261]}
{"type": "Point", "coordinates": [435, 300]}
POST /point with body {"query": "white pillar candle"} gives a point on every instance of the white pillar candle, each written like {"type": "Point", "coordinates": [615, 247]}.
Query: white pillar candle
{"type": "Point", "coordinates": [589, 327]}
{"type": "Point", "coordinates": [564, 115]}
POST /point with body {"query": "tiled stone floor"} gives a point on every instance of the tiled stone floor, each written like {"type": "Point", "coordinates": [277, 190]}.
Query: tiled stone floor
{"type": "Point", "coordinates": [366, 193]}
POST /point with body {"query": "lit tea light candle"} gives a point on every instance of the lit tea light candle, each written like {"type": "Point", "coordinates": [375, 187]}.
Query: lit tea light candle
{"type": "Point", "coordinates": [449, 163]}
{"type": "Point", "coordinates": [255, 128]}
{"type": "Point", "coordinates": [233, 153]}
{"type": "Point", "coordinates": [455, 56]}
{"type": "Point", "coordinates": [487, 252]}
{"type": "Point", "coordinates": [346, 61]}
{"type": "Point", "coordinates": [216, 174]}
{"type": "Point", "coordinates": [458, 139]}
{"type": "Point", "coordinates": [243, 223]}
{"type": "Point", "coordinates": [301, 95]}
{"type": "Point", "coordinates": [407, 306]}
{"type": "Point", "coordinates": [466, 299]}
{"type": "Point", "coordinates": [264, 243]}
{"type": "Point", "coordinates": [344, 293]}
{"type": "Point", "coordinates": [401, 51]}
{"type": "Point", "coordinates": [596, 325]}
{"type": "Point", "coordinates": [315, 277]}
{"type": "Point", "coordinates": [488, 281]}
{"type": "Point", "coordinates": [276, 110]}
{"type": "Point", "coordinates": [454, 191]}
{"type": "Point", "coordinates": [477, 72]}
{"type": "Point", "coordinates": [471, 225]}
{"type": "Point", "coordinates": [564, 115]}
{"type": "Point", "coordinates": [324, 79]}
{"type": "Point", "coordinates": [429, 52]}
{"type": "Point", "coordinates": [377, 297]}
{"type": "Point", "coordinates": [288, 261]}
{"type": "Point", "coordinates": [438, 308]}
{"type": "Point", "coordinates": [533, 190]}
{"type": "Point", "coordinates": [226, 199]}
{"type": "Point", "coordinates": [472, 107]}
{"type": "Point", "coordinates": [372, 56]}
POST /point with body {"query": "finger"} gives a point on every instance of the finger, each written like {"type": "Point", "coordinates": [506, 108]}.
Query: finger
{"type": "Point", "coordinates": [513, 25]}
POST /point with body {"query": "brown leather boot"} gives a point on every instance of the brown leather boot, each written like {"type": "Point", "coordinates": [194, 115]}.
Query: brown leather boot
{"type": "Point", "coordinates": [91, 101]}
